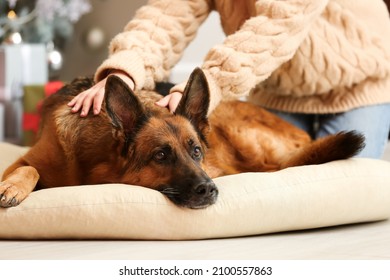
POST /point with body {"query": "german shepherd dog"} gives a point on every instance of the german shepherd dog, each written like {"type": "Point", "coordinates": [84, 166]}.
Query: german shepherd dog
{"type": "Point", "coordinates": [133, 141]}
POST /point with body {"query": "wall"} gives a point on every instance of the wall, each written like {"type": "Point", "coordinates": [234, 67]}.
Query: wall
{"type": "Point", "coordinates": [111, 16]}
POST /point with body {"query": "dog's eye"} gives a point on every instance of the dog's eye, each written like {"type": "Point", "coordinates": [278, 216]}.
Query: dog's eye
{"type": "Point", "coordinates": [197, 153]}
{"type": "Point", "coordinates": [160, 156]}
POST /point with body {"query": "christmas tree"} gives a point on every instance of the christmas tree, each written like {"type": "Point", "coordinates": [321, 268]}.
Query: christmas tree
{"type": "Point", "coordinates": [40, 21]}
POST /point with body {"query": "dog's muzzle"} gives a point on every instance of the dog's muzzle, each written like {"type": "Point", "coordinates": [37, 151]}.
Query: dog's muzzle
{"type": "Point", "coordinates": [199, 195]}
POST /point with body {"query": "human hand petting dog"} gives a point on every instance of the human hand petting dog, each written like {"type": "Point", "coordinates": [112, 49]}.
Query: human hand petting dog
{"type": "Point", "coordinates": [171, 101]}
{"type": "Point", "coordinates": [93, 97]}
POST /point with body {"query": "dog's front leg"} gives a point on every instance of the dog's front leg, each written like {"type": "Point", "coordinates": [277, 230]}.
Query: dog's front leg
{"type": "Point", "coordinates": [17, 185]}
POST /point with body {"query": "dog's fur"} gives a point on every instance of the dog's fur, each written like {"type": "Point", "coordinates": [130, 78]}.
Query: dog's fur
{"type": "Point", "coordinates": [133, 141]}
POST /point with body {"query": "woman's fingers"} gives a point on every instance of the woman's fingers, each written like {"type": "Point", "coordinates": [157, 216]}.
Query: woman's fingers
{"type": "Point", "coordinates": [84, 101]}
{"type": "Point", "coordinates": [174, 101]}
{"type": "Point", "coordinates": [171, 101]}
{"type": "Point", "coordinates": [93, 97]}
{"type": "Point", "coordinates": [98, 100]}
{"type": "Point", "coordinates": [163, 102]}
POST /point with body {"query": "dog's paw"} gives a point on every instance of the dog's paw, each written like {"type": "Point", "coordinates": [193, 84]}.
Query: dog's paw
{"type": "Point", "coordinates": [10, 194]}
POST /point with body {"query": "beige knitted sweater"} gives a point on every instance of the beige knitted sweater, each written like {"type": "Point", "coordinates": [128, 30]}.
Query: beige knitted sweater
{"type": "Point", "coordinates": [310, 56]}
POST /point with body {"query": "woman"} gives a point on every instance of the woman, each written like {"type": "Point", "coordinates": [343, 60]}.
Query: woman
{"type": "Point", "coordinates": [323, 65]}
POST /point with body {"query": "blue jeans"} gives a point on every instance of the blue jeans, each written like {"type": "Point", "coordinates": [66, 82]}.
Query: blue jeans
{"type": "Point", "coordinates": [373, 121]}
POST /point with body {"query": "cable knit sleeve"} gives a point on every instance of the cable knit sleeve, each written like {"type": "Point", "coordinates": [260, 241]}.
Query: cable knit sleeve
{"type": "Point", "coordinates": [340, 51]}
{"type": "Point", "coordinates": [263, 43]}
{"type": "Point", "coordinates": [154, 40]}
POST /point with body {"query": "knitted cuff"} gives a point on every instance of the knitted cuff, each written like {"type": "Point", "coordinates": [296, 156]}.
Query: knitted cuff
{"type": "Point", "coordinates": [126, 61]}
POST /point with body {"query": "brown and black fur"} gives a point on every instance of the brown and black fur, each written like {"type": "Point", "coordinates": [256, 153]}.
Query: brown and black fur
{"type": "Point", "coordinates": [133, 141]}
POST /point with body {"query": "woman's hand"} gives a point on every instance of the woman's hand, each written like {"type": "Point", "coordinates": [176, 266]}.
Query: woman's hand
{"type": "Point", "coordinates": [94, 95]}
{"type": "Point", "coordinates": [171, 101]}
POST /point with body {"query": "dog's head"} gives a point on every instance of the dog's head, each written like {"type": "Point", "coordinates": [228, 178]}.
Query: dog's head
{"type": "Point", "coordinates": [161, 150]}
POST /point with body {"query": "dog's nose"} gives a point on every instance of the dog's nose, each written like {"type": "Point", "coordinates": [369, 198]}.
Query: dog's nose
{"type": "Point", "coordinates": [206, 189]}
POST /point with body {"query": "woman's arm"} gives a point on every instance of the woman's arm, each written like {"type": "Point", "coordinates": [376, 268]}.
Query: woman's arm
{"type": "Point", "coordinates": [263, 43]}
{"type": "Point", "coordinates": [154, 40]}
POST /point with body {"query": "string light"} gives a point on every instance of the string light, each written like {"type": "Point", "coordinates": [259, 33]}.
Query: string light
{"type": "Point", "coordinates": [12, 15]}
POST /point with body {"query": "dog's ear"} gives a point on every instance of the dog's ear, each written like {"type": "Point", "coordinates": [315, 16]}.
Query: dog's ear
{"type": "Point", "coordinates": [122, 105]}
{"type": "Point", "coordinates": [194, 104]}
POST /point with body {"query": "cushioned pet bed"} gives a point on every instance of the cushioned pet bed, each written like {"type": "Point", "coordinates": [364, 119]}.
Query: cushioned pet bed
{"type": "Point", "coordinates": [340, 192]}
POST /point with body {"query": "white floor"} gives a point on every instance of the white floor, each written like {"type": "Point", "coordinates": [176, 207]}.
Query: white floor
{"type": "Point", "coordinates": [360, 241]}
{"type": "Point", "coordinates": [386, 156]}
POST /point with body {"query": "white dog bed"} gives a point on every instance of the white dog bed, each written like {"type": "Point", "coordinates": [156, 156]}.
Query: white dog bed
{"type": "Point", "coordinates": [340, 192]}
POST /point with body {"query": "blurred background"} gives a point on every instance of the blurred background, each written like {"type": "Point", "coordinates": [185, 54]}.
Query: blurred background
{"type": "Point", "coordinates": [87, 48]}
{"type": "Point", "coordinates": [78, 32]}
